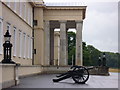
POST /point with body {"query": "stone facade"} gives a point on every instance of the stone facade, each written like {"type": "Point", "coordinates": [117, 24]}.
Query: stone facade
{"type": "Point", "coordinates": [17, 18]}
{"type": "Point", "coordinates": [39, 37]}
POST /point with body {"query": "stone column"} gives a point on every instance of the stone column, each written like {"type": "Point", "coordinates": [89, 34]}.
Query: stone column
{"type": "Point", "coordinates": [47, 43]}
{"type": "Point", "coordinates": [51, 46]}
{"type": "Point", "coordinates": [67, 46]}
{"type": "Point", "coordinates": [79, 25]}
{"type": "Point", "coordinates": [63, 53]}
{"type": "Point", "coordinates": [56, 48]}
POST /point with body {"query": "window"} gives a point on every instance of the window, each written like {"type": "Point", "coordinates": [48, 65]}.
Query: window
{"type": "Point", "coordinates": [31, 17]}
{"type": "Point", "coordinates": [24, 46]}
{"type": "Point", "coordinates": [20, 8]}
{"type": "Point", "coordinates": [20, 43]}
{"type": "Point", "coordinates": [8, 3]}
{"type": "Point", "coordinates": [24, 11]}
{"type": "Point", "coordinates": [28, 54]}
{"type": "Point", "coordinates": [14, 42]}
{"type": "Point", "coordinates": [15, 6]}
{"type": "Point", "coordinates": [31, 41]}
{"type": "Point", "coordinates": [1, 36]}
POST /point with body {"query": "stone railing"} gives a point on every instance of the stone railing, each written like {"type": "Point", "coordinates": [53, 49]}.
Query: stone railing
{"type": "Point", "coordinates": [10, 73]}
{"type": "Point", "coordinates": [55, 69]}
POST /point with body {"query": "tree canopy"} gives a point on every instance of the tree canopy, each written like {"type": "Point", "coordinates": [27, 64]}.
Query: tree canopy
{"type": "Point", "coordinates": [90, 54]}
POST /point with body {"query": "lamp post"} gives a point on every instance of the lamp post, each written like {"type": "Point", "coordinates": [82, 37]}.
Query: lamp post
{"type": "Point", "coordinates": [7, 49]}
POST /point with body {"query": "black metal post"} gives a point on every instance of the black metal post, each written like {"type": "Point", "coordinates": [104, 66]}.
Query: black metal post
{"type": "Point", "coordinates": [7, 50]}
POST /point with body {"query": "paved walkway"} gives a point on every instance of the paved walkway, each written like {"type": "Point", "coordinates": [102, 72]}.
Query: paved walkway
{"type": "Point", "coordinates": [45, 81]}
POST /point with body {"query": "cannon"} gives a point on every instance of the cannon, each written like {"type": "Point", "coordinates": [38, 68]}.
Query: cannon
{"type": "Point", "coordinates": [79, 74]}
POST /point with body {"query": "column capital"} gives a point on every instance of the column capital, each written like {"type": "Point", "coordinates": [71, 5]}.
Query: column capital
{"type": "Point", "coordinates": [62, 21]}
{"type": "Point", "coordinates": [79, 21]}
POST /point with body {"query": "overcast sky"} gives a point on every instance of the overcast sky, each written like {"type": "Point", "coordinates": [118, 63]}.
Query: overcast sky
{"type": "Point", "coordinates": [100, 27]}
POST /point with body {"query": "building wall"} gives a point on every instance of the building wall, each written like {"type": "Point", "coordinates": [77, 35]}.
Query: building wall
{"type": "Point", "coordinates": [39, 36]}
{"type": "Point", "coordinates": [1, 31]}
{"type": "Point", "coordinates": [18, 16]}
{"type": "Point", "coordinates": [19, 25]}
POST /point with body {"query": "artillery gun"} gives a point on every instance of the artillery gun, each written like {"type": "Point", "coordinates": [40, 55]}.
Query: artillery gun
{"type": "Point", "coordinates": [79, 74]}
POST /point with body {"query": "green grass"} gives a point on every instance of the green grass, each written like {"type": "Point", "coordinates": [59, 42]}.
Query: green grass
{"type": "Point", "coordinates": [114, 70]}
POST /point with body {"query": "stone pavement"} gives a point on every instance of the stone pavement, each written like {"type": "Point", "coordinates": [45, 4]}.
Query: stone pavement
{"type": "Point", "coordinates": [45, 81]}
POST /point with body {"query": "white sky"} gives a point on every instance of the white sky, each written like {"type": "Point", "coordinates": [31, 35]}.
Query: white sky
{"type": "Point", "coordinates": [100, 27]}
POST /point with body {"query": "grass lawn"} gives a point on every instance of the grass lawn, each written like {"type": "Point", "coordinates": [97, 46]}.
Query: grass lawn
{"type": "Point", "coordinates": [114, 70]}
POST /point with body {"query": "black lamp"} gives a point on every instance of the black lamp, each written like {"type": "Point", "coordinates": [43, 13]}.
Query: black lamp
{"type": "Point", "coordinates": [7, 49]}
{"type": "Point", "coordinates": [7, 36]}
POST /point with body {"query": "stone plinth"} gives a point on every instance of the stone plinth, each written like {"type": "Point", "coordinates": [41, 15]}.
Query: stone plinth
{"type": "Point", "coordinates": [9, 75]}
{"type": "Point", "coordinates": [100, 70]}
{"type": "Point", "coordinates": [55, 69]}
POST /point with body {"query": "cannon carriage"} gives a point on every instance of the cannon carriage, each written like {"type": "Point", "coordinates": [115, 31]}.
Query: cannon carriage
{"type": "Point", "coordinates": [79, 74]}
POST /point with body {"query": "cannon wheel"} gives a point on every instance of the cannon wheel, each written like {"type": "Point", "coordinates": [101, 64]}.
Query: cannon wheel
{"type": "Point", "coordinates": [82, 76]}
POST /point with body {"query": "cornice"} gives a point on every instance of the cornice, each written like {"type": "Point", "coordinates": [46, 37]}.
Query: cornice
{"type": "Point", "coordinates": [66, 7]}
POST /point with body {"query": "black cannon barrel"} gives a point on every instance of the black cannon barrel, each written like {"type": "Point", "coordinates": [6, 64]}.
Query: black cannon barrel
{"type": "Point", "coordinates": [61, 78]}
{"type": "Point", "coordinates": [89, 67]}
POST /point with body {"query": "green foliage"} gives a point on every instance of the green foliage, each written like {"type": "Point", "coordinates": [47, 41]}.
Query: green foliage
{"type": "Point", "coordinates": [90, 54]}
{"type": "Point", "coordinates": [113, 59]}
{"type": "Point", "coordinates": [71, 47]}
{"type": "Point", "coordinates": [86, 55]}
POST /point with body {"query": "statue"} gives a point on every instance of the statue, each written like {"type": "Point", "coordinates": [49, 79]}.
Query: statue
{"type": "Point", "coordinates": [99, 61]}
{"type": "Point", "coordinates": [104, 60]}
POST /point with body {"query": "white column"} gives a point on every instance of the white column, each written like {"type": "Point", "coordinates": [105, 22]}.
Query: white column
{"type": "Point", "coordinates": [47, 43]}
{"type": "Point", "coordinates": [63, 52]}
{"type": "Point", "coordinates": [79, 60]}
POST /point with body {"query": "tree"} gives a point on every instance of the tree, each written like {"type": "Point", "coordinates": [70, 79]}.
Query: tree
{"type": "Point", "coordinates": [71, 47]}
{"type": "Point", "coordinates": [86, 55]}
{"type": "Point", "coordinates": [90, 54]}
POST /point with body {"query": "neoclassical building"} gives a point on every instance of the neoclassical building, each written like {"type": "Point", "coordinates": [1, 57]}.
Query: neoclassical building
{"type": "Point", "coordinates": [36, 45]}
{"type": "Point", "coordinates": [32, 26]}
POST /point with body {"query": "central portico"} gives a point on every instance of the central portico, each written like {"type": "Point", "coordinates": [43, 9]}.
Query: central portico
{"type": "Point", "coordinates": [50, 18]}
